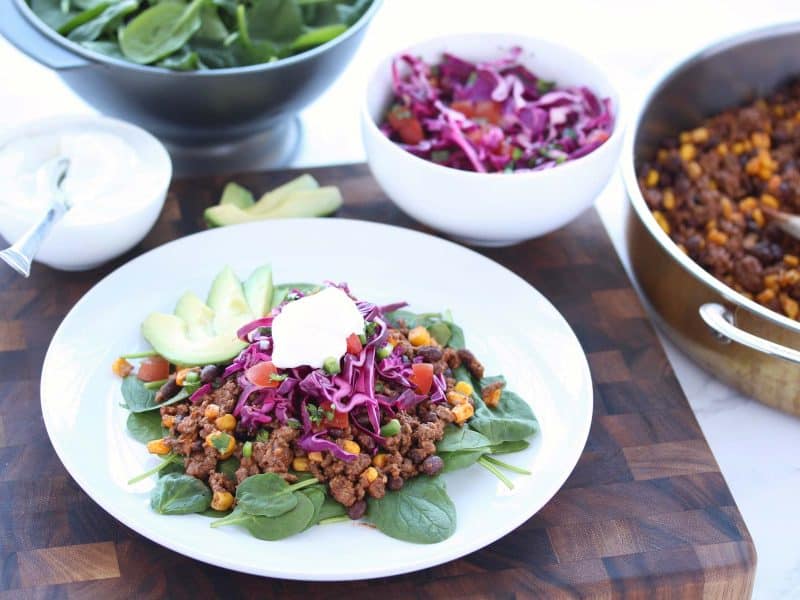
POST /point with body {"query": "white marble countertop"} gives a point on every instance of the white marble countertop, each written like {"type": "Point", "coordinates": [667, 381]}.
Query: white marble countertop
{"type": "Point", "coordinates": [753, 444]}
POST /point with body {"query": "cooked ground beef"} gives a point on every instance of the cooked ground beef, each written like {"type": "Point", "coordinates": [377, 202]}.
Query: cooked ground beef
{"type": "Point", "coordinates": [712, 190]}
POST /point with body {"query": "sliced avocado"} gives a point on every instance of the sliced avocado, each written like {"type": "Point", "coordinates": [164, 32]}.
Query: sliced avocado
{"type": "Point", "coordinates": [258, 290]}
{"type": "Point", "coordinates": [197, 316]}
{"type": "Point", "coordinates": [236, 195]}
{"type": "Point", "coordinates": [309, 203]}
{"type": "Point", "coordinates": [228, 214]}
{"type": "Point", "coordinates": [169, 336]}
{"type": "Point", "coordinates": [226, 298]}
{"type": "Point", "coordinates": [279, 195]}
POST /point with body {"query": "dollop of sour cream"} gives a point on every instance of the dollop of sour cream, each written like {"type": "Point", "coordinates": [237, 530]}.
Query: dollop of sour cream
{"type": "Point", "coordinates": [309, 330]}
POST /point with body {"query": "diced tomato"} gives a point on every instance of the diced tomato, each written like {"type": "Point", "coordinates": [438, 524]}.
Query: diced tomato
{"type": "Point", "coordinates": [483, 109]}
{"type": "Point", "coordinates": [422, 377]}
{"type": "Point", "coordinates": [153, 368]}
{"type": "Point", "coordinates": [260, 374]}
{"type": "Point", "coordinates": [354, 344]}
{"type": "Point", "coordinates": [340, 420]}
{"type": "Point", "coordinates": [406, 125]}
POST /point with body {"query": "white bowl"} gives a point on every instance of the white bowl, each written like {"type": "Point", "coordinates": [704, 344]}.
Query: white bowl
{"type": "Point", "coordinates": [491, 209]}
{"type": "Point", "coordinates": [84, 239]}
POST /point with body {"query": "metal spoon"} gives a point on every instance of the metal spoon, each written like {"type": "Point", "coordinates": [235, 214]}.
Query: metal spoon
{"type": "Point", "coordinates": [20, 255]}
{"type": "Point", "coordinates": [789, 223]}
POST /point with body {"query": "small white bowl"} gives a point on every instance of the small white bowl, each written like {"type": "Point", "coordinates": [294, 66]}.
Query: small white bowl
{"type": "Point", "coordinates": [83, 240]}
{"type": "Point", "coordinates": [491, 209]}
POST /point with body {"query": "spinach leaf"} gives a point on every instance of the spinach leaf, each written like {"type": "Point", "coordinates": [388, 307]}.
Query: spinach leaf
{"type": "Point", "coordinates": [266, 495]}
{"type": "Point", "coordinates": [350, 13]}
{"type": "Point", "coordinates": [457, 338]}
{"type": "Point", "coordinates": [139, 399]}
{"type": "Point", "coordinates": [460, 459]}
{"type": "Point", "coordinates": [316, 37]}
{"type": "Point", "coordinates": [272, 528]}
{"type": "Point", "coordinates": [511, 421]}
{"type": "Point", "coordinates": [440, 326]}
{"type": "Point", "coordinates": [214, 514]}
{"type": "Point", "coordinates": [110, 49]}
{"type": "Point", "coordinates": [212, 27]}
{"type": "Point", "coordinates": [182, 60]}
{"type": "Point", "coordinates": [50, 12]}
{"type": "Point", "coordinates": [160, 30]}
{"type": "Point", "coordinates": [175, 466]}
{"type": "Point", "coordinates": [441, 332]}
{"type": "Point", "coordinates": [280, 292]}
{"type": "Point", "coordinates": [420, 512]}
{"type": "Point", "coordinates": [509, 447]}
{"type": "Point", "coordinates": [176, 494]}
{"type": "Point", "coordinates": [82, 17]}
{"type": "Point", "coordinates": [330, 508]}
{"type": "Point", "coordinates": [317, 496]}
{"type": "Point", "coordinates": [228, 467]}
{"type": "Point", "coordinates": [108, 19]}
{"type": "Point", "coordinates": [144, 427]}
{"type": "Point", "coordinates": [462, 438]}
{"type": "Point", "coordinates": [275, 21]}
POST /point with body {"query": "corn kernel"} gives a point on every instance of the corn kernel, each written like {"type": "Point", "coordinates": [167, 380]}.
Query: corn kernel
{"type": "Point", "coordinates": [652, 178]}
{"type": "Point", "coordinates": [771, 282]}
{"type": "Point", "coordinates": [700, 135]}
{"type": "Point", "coordinates": [668, 199]}
{"type": "Point", "coordinates": [748, 204]}
{"type": "Point", "coordinates": [493, 397]}
{"type": "Point", "coordinates": [371, 474]}
{"type": "Point", "coordinates": [790, 277]}
{"type": "Point", "coordinates": [221, 500]}
{"type": "Point", "coordinates": [168, 421]}
{"type": "Point", "coordinates": [789, 306]}
{"type": "Point", "coordinates": [738, 148]}
{"type": "Point", "coordinates": [662, 156]}
{"type": "Point", "coordinates": [315, 456]}
{"type": "Point", "coordinates": [463, 387]}
{"type": "Point", "coordinates": [770, 200]}
{"type": "Point", "coordinates": [687, 152]}
{"type": "Point", "coordinates": [765, 173]}
{"type": "Point", "coordinates": [717, 237]}
{"type": "Point", "coordinates": [685, 137]}
{"type": "Point", "coordinates": [791, 260]}
{"type": "Point", "coordinates": [225, 423]}
{"type": "Point", "coordinates": [766, 296]}
{"type": "Point", "coordinates": [661, 220]}
{"type": "Point", "coordinates": [774, 184]}
{"type": "Point", "coordinates": [380, 460]}
{"type": "Point", "coordinates": [455, 398]}
{"type": "Point", "coordinates": [711, 225]}
{"type": "Point", "coordinates": [760, 140]}
{"type": "Point", "coordinates": [694, 169]}
{"type": "Point", "coordinates": [778, 110]}
{"type": "Point", "coordinates": [462, 412]}
{"type": "Point", "coordinates": [753, 166]}
{"type": "Point", "coordinates": [211, 412]}
{"type": "Point", "coordinates": [758, 217]}
{"type": "Point", "coordinates": [121, 367]}
{"type": "Point", "coordinates": [419, 336]}
{"type": "Point", "coordinates": [300, 463]}
{"type": "Point", "coordinates": [157, 447]}
{"type": "Point", "coordinates": [727, 207]}
{"type": "Point", "coordinates": [722, 149]}
{"type": "Point", "coordinates": [351, 447]}
{"type": "Point", "coordinates": [222, 442]}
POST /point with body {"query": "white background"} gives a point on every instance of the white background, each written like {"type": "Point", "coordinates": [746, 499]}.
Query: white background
{"type": "Point", "coordinates": [755, 446]}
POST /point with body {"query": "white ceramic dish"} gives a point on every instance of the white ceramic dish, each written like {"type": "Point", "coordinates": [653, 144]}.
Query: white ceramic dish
{"type": "Point", "coordinates": [491, 209]}
{"type": "Point", "coordinates": [83, 240]}
{"type": "Point", "coordinates": [523, 336]}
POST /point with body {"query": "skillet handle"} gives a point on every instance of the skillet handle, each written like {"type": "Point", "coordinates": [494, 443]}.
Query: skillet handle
{"type": "Point", "coordinates": [720, 320]}
{"type": "Point", "coordinates": [23, 29]}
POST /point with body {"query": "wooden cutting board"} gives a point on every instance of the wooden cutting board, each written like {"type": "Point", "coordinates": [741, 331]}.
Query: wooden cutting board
{"type": "Point", "coordinates": [645, 514]}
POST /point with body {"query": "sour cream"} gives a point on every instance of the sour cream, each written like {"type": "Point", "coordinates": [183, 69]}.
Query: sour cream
{"type": "Point", "coordinates": [103, 179]}
{"type": "Point", "coordinates": [313, 328]}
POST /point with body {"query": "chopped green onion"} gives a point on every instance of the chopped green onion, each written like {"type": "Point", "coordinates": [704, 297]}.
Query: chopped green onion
{"type": "Point", "coordinates": [263, 435]}
{"type": "Point", "coordinates": [362, 338]}
{"type": "Point", "coordinates": [145, 354]}
{"type": "Point", "coordinates": [247, 449]}
{"type": "Point", "coordinates": [277, 377]}
{"type": "Point", "coordinates": [154, 385]}
{"type": "Point", "coordinates": [391, 428]}
{"type": "Point", "coordinates": [385, 351]}
{"type": "Point", "coordinates": [370, 328]}
{"type": "Point", "coordinates": [331, 365]}
{"type": "Point", "coordinates": [192, 377]}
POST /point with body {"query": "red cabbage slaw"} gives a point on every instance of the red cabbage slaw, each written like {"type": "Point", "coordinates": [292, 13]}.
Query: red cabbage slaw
{"type": "Point", "coordinates": [351, 391]}
{"type": "Point", "coordinates": [493, 116]}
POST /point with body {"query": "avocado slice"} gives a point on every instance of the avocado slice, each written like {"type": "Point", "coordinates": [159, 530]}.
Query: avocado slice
{"type": "Point", "coordinates": [236, 195]}
{"type": "Point", "coordinates": [309, 203]}
{"type": "Point", "coordinates": [227, 214]}
{"type": "Point", "coordinates": [258, 290]}
{"type": "Point", "coordinates": [274, 198]}
{"type": "Point", "coordinates": [201, 333]}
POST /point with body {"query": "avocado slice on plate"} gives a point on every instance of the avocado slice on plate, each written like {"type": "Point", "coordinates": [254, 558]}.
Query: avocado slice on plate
{"type": "Point", "coordinates": [200, 333]}
{"type": "Point", "coordinates": [236, 195]}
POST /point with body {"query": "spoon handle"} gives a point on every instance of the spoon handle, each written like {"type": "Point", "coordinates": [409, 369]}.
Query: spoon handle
{"type": "Point", "coordinates": [20, 255]}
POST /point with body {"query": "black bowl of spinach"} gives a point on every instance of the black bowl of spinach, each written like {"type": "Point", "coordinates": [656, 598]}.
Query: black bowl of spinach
{"type": "Point", "coordinates": [192, 71]}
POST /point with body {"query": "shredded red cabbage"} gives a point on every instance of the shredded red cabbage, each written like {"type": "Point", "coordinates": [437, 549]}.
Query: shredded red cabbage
{"type": "Point", "coordinates": [492, 117]}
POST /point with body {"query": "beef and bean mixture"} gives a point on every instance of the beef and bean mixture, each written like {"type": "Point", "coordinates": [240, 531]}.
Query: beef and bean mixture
{"type": "Point", "coordinates": [714, 188]}
{"type": "Point", "coordinates": [411, 451]}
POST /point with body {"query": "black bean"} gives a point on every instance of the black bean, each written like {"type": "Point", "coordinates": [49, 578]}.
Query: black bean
{"type": "Point", "coordinates": [335, 433]}
{"type": "Point", "coordinates": [357, 510]}
{"type": "Point", "coordinates": [432, 465]}
{"type": "Point", "coordinates": [431, 417]}
{"type": "Point", "coordinates": [209, 373]}
{"type": "Point", "coordinates": [429, 353]}
{"type": "Point", "coordinates": [168, 390]}
{"type": "Point", "coordinates": [395, 483]}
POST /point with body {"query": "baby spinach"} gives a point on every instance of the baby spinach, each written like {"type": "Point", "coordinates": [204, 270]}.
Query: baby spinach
{"type": "Point", "coordinates": [228, 467]}
{"type": "Point", "coordinates": [509, 447]}
{"type": "Point", "coordinates": [111, 16]}
{"type": "Point", "coordinates": [144, 427]}
{"type": "Point", "coordinates": [330, 509]}
{"type": "Point", "coordinates": [140, 399]}
{"type": "Point", "coordinates": [317, 496]}
{"type": "Point", "coordinates": [316, 37]}
{"type": "Point", "coordinates": [439, 325]}
{"type": "Point", "coordinates": [420, 512]}
{"type": "Point", "coordinates": [461, 459]}
{"type": "Point", "coordinates": [177, 494]}
{"type": "Point", "coordinates": [511, 421]}
{"type": "Point", "coordinates": [272, 528]}
{"type": "Point", "coordinates": [166, 462]}
{"type": "Point", "coordinates": [268, 495]}
{"type": "Point", "coordinates": [160, 30]}
{"type": "Point", "coordinates": [83, 17]}
{"type": "Point", "coordinates": [458, 439]}
{"type": "Point", "coordinates": [275, 21]}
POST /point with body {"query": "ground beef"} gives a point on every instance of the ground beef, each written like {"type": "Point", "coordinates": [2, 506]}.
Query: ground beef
{"type": "Point", "coordinates": [474, 366]}
{"type": "Point", "coordinates": [276, 455]}
{"type": "Point", "coordinates": [201, 463]}
{"type": "Point", "coordinates": [713, 190]}
{"type": "Point", "coordinates": [220, 483]}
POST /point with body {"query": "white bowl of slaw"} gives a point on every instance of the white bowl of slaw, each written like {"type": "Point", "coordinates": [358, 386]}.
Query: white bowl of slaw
{"type": "Point", "coordinates": [117, 183]}
{"type": "Point", "coordinates": [491, 209]}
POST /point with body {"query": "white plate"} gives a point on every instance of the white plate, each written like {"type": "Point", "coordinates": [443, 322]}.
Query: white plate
{"type": "Point", "coordinates": [510, 326]}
